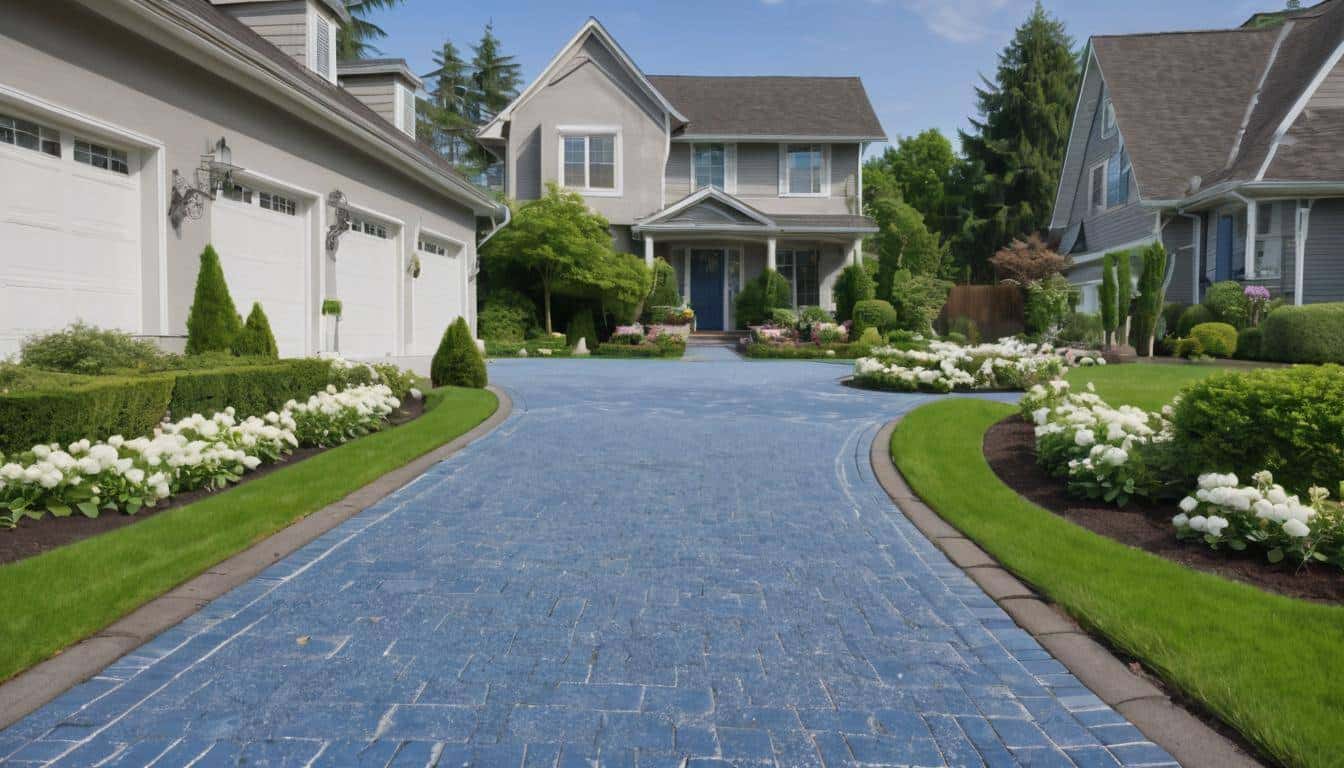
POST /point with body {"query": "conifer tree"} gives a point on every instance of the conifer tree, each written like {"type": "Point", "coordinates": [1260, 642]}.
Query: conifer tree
{"type": "Point", "coordinates": [1124, 293]}
{"type": "Point", "coordinates": [212, 321]}
{"type": "Point", "coordinates": [447, 126]}
{"type": "Point", "coordinates": [354, 40]}
{"type": "Point", "coordinates": [496, 76]}
{"type": "Point", "coordinates": [457, 362]}
{"type": "Point", "coordinates": [256, 339]}
{"type": "Point", "coordinates": [1106, 295]}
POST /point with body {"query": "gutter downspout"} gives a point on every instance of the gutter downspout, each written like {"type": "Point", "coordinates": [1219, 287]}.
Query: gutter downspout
{"type": "Point", "coordinates": [508, 215]}
{"type": "Point", "coordinates": [1197, 240]}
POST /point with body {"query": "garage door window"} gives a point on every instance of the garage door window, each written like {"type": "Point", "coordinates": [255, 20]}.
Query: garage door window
{"type": "Point", "coordinates": [277, 203]}
{"type": "Point", "coordinates": [99, 156]}
{"type": "Point", "coordinates": [429, 246]}
{"type": "Point", "coordinates": [237, 193]}
{"type": "Point", "coordinates": [30, 135]}
{"type": "Point", "coordinates": [368, 227]}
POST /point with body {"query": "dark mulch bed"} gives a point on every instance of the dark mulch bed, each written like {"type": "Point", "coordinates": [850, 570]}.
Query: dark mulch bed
{"type": "Point", "coordinates": [33, 537]}
{"type": "Point", "coordinates": [1010, 449]}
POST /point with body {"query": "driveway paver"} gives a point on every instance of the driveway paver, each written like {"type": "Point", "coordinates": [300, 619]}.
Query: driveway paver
{"type": "Point", "coordinates": [650, 563]}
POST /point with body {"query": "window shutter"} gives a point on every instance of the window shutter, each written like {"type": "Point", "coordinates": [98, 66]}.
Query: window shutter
{"type": "Point", "coordinates": [322, 47]}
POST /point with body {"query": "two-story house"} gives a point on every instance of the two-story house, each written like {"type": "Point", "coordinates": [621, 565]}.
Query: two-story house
{"type": "Point", "coordinates": [134, 132]}
{"type": "Point", "coordinates": [1225, 145]}
{"type": "Point", "coordinates": [721, 176]}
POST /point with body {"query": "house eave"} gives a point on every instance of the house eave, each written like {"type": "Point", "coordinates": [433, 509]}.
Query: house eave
{"type": "Point", "coordinates": [685, 138]}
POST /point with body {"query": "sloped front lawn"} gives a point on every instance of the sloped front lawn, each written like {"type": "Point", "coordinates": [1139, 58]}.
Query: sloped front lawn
{"type": "Point", "coordinates": [1267, 665]}
{"type": "Point", "coordinates": [69, 593]}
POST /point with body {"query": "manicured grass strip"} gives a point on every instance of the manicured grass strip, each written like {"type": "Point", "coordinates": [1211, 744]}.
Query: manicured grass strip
{"type": "Point", "coordinates": [1146, 385]}
{"type": "Point", "coordinates": [1269, 666]}
{"type": "Point", "coordinates": [67, 594]}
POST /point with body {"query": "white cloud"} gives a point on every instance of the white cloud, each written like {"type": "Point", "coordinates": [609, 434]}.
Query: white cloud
{"type": "Point", "coordinates": [961, 21]}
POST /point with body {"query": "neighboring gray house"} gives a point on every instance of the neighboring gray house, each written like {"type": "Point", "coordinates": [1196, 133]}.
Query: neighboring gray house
{"type": "Point", "coordinates": [110, 116]}
{"type": "Point", "coordinates": [721, 176]}
{"type": "Point", "coordinates": [1226, 145]}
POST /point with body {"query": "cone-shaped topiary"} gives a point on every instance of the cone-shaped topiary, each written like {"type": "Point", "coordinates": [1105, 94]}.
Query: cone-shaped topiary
{"type": "Point", "coordinates": [457, 362]}
{"type": "Point", "coordinates": [212, 322]}
{"type": "Point", "coordinates": [581, 326]}
{"type": "Point", "coordinates": [256, 339]}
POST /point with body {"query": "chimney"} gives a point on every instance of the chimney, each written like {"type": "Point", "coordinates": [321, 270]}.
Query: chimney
{"type": "Point", "coordinates": [386, 86]}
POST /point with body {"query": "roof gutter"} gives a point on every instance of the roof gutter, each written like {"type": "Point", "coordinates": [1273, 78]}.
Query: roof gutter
{"type": "Point", "coordinates": [508, 216]}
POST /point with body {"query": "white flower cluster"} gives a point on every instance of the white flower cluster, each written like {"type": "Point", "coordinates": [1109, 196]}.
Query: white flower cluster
{"type": "Point", "coordinates": [944, 366]}
{"type": "Point", "coordinates": [195, 452]}
{"type": "Point", "coordinates": [1223, 511]}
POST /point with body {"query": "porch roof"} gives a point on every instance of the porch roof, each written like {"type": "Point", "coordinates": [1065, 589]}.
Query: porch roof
{"type": "Point", "coordinates": [711, 210]}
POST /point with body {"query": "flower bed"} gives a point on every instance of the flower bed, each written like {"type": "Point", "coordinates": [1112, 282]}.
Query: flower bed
{"type": "Point", "coordinates": [196, 452]}
{"type": "Point", "coordinates": [947, 367]}
{"type": "Point", "coordinates": [632, 341]}
{"type": "Point", "coordinates": [1264, 517]}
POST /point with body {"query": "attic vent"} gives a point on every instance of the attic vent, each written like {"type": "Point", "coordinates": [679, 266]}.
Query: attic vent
{"type": "Point", "coordinates": [322, 48]}
{"type": "Point", "coordinates": [408, 111]}
{"type": "Point", "coordinates": [1193, 184]}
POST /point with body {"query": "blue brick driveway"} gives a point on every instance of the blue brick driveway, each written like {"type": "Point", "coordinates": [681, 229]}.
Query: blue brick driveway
{"type": "Point", "coordinates": [650, 564]}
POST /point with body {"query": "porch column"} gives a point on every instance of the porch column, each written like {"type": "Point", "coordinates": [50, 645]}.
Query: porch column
{"type": "Point", "coordinates": [856, 251]}
{"type": "Point", "coordinates": [648, 249]}
{"type": "Point", "coordinates": [1300, 249]}
{"type": "Point", "coordinates": [1248, 259]}
{"type": "Point", "coordinates": [686, 276]}
{"type": "Point", "coordinates": [770, 254]}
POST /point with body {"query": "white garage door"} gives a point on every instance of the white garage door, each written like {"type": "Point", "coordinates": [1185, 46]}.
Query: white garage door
{"type": "Point", "coordinates": [69, 231]}
{"type": "Point", "coordinates": [367, 269]}
{"type": "Point", "coordinates": [437, 293]}
{"type": "Point", "coordinates": [261, 238]}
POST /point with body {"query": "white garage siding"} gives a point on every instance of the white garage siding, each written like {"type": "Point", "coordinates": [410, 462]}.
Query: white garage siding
{"type": "Point", "coordinates": [261, 236]}
{"type": "Point", "coordinates": [70, 227]}
{"type": "Point", "coordinates": [368, 268]}
{"type": "Point", "coordinates": [437, 295]}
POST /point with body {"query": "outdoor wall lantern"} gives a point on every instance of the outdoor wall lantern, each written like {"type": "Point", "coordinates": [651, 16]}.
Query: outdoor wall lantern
{"type": "Point", "coordinates": [215, 172]}
{"type": "Point", "coordinates": [340, 221]}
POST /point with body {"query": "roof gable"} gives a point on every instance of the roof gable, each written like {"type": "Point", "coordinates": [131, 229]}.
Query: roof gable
{"type": "Point", "coordinates": [772, 107]}
{"type": "Point", "coordinates": [710, 206]}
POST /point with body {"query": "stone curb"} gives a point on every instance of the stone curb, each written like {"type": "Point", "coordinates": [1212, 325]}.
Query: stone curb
{"type": "Point", "coordinates": [1184, 736]}
{"type": "Point", "coordinates": [31, 689]}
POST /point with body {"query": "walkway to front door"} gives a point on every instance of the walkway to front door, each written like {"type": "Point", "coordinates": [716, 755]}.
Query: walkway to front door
{"type": "Point", "coordinates": [707, 269]}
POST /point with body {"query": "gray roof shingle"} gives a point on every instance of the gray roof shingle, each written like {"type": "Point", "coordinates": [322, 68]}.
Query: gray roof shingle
{"type": "Point", "coordinates": [771, 106]}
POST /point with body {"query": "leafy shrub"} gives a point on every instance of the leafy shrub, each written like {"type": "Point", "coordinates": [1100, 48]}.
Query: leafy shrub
{"type": "Point", "coordinates": [663, 345]}
{"type": "Point", "coordinates": [399, 380]}
{"type": "Point", "coordinates": [212, 321]}
{"type": "Point", "coordinates": [870, 337]}
{"type": "Point", "coordinates": [251, 390]}
{"type": "Point", "coordinates": [1217, 339]}
{"type": "Point", "coordinates": [1313, 333]}
{"type": "Point", "coordinates": [457, 362]}
{"type": "Point", "coordinates": [956, 338]}
{"type": "Point", "coordinates": [664, 292]}
{"type": "Point", "coordinates": [783, 318]}
{"type": "Point", "coordinates": [1188, 348]}
{"type": "Point", "coordinates": [1248, 343]}
{"type": "Point", "coordinates": [810, 316]}
{"type": "Point", "coordinates": [256, 339]}
{"type": "Point", "coordinates": [918, 300]}
{"type": "Point", "coordinates": [1081, 328]}
{"type": "Point", "coordinates": [1289, 421]}
{"type": "Point", "coordinates": [852, 286]}
{"type": "Point", "coordinates": [86, 349]}
{"type": "Point", "coordinates": [97, 408]}
{"type": "Point", "coordinates": [1171, 317]}
{"type": "Point", "coordinates": [581, 326]}
{"type": "Point", "coordinates": [874, 313]}
{"type": "Point", "coordinates": [1228, 303]}
{"type": "Point", "coordinates": [966, 327]}
{"type": "Point", "coordinates": [1193, 315]}
{"type": "Point", "coordinates": [760, 296]}
{"type": "Point", "coordinates": [506, 315]}
{"type": "Point", "coordinates": [1048, 303]}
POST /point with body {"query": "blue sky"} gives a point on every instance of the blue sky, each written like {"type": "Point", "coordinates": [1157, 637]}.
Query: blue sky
{"type": "Point", "coordinates": [919, 59]}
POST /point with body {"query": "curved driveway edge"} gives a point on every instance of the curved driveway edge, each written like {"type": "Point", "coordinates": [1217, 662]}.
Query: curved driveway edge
{"type": "Point", "coordinates": [1168, 725]}
{"type": "Point", "coordinates": [42, 683]}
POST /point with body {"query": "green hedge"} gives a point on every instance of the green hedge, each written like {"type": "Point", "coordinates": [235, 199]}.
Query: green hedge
{"type": "Point", "coordinates": [806, 351]}
{"type": "Point", "coordinates": [1217, 339]}
{"type": "Point", "coordinates": [874, 313]}
{"type": "Point", "coordinates": [124, 405]}
{"type": "Point", "coordinates": [669, 349]}
{"type": "Point", "coordinates": [1193, 315]}
{"type": "Point", "coordinates": [1248, 343]}
{"type": "Point", "coordinates": [1313, 333]}
{"type": "Point", "coordinates": [252, 390]}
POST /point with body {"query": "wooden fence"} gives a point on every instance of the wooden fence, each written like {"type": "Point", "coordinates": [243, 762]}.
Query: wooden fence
{"type": "Point", "coordinates": [997, 310]}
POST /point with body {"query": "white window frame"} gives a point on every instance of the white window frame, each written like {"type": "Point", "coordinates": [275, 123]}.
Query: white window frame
{"type": "Point", "coordinates": [587, 132]}
{"type": "Point", "coordinates": [1095, 206]}
{"type": "Point", "coordinates": [1107, 119]}
{"type": "Point", "coordinates": [784, 169]}
{"type": "Point", "coordinates": [45, 135]}
{"type": "Point", "coordinates": [729, 166]}
{"type": "Point", "coordinates": [1266, 211]}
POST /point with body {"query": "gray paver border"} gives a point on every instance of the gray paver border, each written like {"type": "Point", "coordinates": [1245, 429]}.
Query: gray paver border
{"type": "Point", "coordinates": [40, 684]}
{"type": "Point", "coordinates": [1184, 736]}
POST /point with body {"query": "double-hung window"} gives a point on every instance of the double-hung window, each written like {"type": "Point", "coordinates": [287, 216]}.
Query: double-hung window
{"type": "Point", "coordinates": [804, 169]}
{"type": "Point", "coordinates": [802, 268]}
{"type": "Point", "coordinates": [710, 164]}
{"type": "Point", "coordinates": [1268, 261]}
{"type": "Point", "coordinates": [588, 161]}
{"type": "Point", "coordinates": [30, 135]}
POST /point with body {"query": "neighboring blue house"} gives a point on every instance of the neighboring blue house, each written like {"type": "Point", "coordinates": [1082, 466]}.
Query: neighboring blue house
{"type": "Point", "coordinates": [1225, 145]}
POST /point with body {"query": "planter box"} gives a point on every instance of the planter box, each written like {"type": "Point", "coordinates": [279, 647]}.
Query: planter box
{"type": "Point", "coordinates": [683, 331]}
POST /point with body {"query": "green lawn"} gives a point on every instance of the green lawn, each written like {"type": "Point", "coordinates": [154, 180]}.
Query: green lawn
{"type": "Point", "coordinates": [67, 594]}
{"type": "Point", "coordinates": [1270, 666]}
{"type": "Point", "coordinates": [1146, 385]}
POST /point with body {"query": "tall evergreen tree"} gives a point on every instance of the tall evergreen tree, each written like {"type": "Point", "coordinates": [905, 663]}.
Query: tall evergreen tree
{"type": "Point", "coordinates": [1017, 144]}
{"type": "Point", "coordinates": [447, 126]}
{"type": "Point", "coordinates": [212, 320]}
{"type": "Point", "coordinates": [354, 40]}
{"type": "Point", "coordinates": [923, 169]}
{"type": "Point", "coordinates": [496, 76]}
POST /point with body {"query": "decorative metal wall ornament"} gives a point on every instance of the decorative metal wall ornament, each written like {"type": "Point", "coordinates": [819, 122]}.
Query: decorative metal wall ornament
{"type": "Point", "coordinates": [215, 172]}
{"type": "Point", "coordinates": [340, 221]}
{"type": "Point", "coordinates": [413, 269]}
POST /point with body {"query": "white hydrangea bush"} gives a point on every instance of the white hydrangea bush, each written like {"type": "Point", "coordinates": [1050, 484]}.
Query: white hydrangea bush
{"type": "Point", "coordinates": [948, 367]}
{"type": "Point", "coordinates": [1224, 513]}
{"type": "Point", "coordinates": [195, 452]}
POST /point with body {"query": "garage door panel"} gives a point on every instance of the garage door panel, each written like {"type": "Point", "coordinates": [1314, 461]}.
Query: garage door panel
{"type": "Point", "coordinates": [263, 256]}
{"type": "Point", "coordinates": [438, 299]}
{"type": "Point", "coordinates": [366, 273]}
{"type": "Point", "coordinates": [33, 191]}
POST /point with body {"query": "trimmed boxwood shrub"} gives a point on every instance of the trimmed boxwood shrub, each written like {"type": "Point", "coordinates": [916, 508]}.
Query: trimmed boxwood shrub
{"type": "Point", "coordinates": [581, 326]}
{"type": "Point", "coordinates": [252, 390]}
{"type": "Point", "coordinates": [1248, 343]}
{"type": "Point", "coordinates": [1193, 315]}
{"type": "Point", "coordinates": [759, 297]}
{"type": "Point", "coordinates": [1313, 333]}
{"type": "Point", "coordinates": [874, 313]}
{"type": "Point", "coordinates": [506, 315]}
{"type": "Point", "coordinates": [457, 362]}
{"type": "Point", "coordinates": [1171, 317]}
{"type": "Point", "coordinates": [806, 351]}
{"type": "Point", "coordinates": [1217, 339]}
{"type": "Point", "coordinates": [1228, 303]}
{"type": "Point", "coordinates": [111, 405]}
{"type": "Point", "coordinates": [852, 286]}
{"type": "Point", "coordinates": [1289, 421]}
{"type": "Point", "coordinates": [664, 292]}
{"type": "Point", "coordinates": [663, 346]}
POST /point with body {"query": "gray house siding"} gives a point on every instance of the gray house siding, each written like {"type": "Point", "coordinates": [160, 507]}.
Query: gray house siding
{"type": "Point", "coordinates": [527, 184]}
{"type": "Point", "coordinates": [1181, 252]}
{"type": "Point", "coordinates": [1324, 278]}
{"type": "Point", "coordinates": [283, 24]}
{"type": "Point", "coordinates": [1070, 176]}
{"type": "Point", "coordinates": [379, 94]}
{"type": "Point", "coordinates": [758, 178]}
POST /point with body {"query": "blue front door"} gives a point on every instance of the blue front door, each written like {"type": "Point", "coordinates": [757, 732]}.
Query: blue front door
{"type": "Point", "coordinates": [1222, 268]}
{"type": "Point", "coordinates": [707, 289]}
